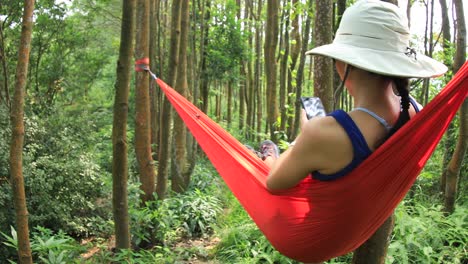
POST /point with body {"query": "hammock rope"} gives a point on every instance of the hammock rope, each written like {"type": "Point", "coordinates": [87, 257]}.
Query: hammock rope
{"type": "Point", "coordinates": [316, 221]}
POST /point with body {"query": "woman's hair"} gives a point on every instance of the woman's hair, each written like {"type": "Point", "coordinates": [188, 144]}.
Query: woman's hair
{"type": "Point", "coordinates": [402, 87]}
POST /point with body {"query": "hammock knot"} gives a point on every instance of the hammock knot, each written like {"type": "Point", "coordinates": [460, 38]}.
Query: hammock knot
{"type": "Point", "coordinates": [142, 65]}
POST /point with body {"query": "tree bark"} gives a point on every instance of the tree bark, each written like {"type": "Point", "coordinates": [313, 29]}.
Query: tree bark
{"type": "Point", "coordinates": [4, 85]}
{"type": "Point", "coordinates": [300, 70]}
{"type": "Point", "coordinates": [17, 138]}
{"type": "Point", "coordinates": [166, 115]}
{"type": "Point", "coordinates": [154, 93]}
{"type": "Point", "coordinates": [374, 250]}
{"type": "Point", "coordinates": [204, 43]}
{"type": "Point", "coordinates": [455, 164]}
{"type": "Point", "coordinates": [181, 166]}
{"type": "Point", "coordinates": [323, 67]}
{"type": "Point", "coordinates": [258, 109]}
{"type": "Point", "coordinates": [271, 42]}
{"type": "Point", "coordinates": [284, 66]}
{"type": "Point", "coordinates": [142, 119]}
{"type": "Point", "coordinates": [296, 48]}
{"type": "Point", "coordinates": [119, 128]}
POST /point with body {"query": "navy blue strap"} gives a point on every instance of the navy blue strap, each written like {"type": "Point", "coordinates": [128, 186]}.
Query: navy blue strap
{"type": "Point", "coordinates": [360, 148]}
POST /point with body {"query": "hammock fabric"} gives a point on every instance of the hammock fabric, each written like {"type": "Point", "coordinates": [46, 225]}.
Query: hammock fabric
{"type": "Point", "coordinates": [316, 221]}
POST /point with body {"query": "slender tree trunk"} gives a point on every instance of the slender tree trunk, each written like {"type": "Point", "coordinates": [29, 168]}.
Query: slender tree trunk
{"type": "Point", "coordinates": [300, 70]}
{"type": "Point", "coordinates": [4, 86]}
{"type": "Point", "coordinates": [271, 41]}
{"type": "Point", "coordinates": [154, 93]}
{"type": "Point", "coordinates": [258, 71]}
{"type": "Point", "coordinates": [119, 128]}
{"type": "Point", "coordinates": [323, 67]}
{"type": "Point", "coordinates": [455, 164]}
{"type": "Point", "coordinates": [295, 54]}
{"type": "Point", "coordinates": [204, 80]}
{"type": "Point", "coordinates": [284, 66]}
{"type": "Point", "coordinates": [447, 141]}
{"type": "Point", "coordinates": [166, 115]}
{"type": "Point", "coordinates": [374, 250]}
{"type": "Point", "coordinates": [17, 138]}
{"type": "Point", "coordinates": [142, 119]}
{"type": "Point", "coordinates": [181, 173]}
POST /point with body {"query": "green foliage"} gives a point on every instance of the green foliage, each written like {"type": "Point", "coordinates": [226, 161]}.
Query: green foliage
{"type": "Point", "coordinates": [226, 47]}
{"type": "Point", "coordinates": [46, 246]}
{"type": "Point", "coordinates": [191, 215]}
{"type": "Point", "coordinates": [423, 235]}
{"type": "Point", "coordinates": [63, 183]}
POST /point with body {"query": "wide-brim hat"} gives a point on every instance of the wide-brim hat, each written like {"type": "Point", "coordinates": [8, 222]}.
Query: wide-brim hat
{"type": "Point", "coordinates": [374, 36]}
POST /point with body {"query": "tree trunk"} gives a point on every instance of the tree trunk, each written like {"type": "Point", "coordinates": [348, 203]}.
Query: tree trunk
{"type": "Point", "coordinates": [204, 80]}
{"type": "Point", "coordinates": [181, 173]}
{"type": "Point", "coordinates": [258, 109]}
{"type": "Point", "coordinates": [455, 164]}
{"type": "Point", "coordinates": [166, 115]}
{"type": "Point", "coordinates": [447, 141]}
{"type": "Point", "coordinates": [119, 128]}
{"type": "Point", "coordinates": [295, 55]}
{"type": "Point", "coordinates": [300, 70]}
{"type": "Point", "coordinates": [271, 41]}
{"type": "Point", "coordinates": [374, 250]}
{"type": "Point", "coordinates": [17, 138]}
{"type": "Point", "coordinates": [284, 66]}
{"type": "Point", "coordinates": [323, 67]}
{"type": "Point", "coordinates": [154, 92]}
{"type": "Point", "coordinates": [4, 85]}
{"type": "Point", "coordinates": [142, 109]}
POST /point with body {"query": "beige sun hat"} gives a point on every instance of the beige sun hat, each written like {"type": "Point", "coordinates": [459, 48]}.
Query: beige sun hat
{"type": "Point", "coordinates": [374, 36]}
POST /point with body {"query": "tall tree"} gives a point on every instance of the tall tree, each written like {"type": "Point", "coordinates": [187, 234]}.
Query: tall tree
{"type": "Point", "coordinates": [204, 53]}
{"type": "Point", "coordinates": [271, 42]}
{"type": "Point", "coordinates": [258, 70]}
{"type": "Point", "coordinates": [296, 48]}
{"type": "Point", "coordinates": [182, 166]}
{"type": "Point", "coordinates": [374, 250]}
{"type": "Point", "coordinates": [4, 91]}
{"type": "Point", "coordinates": [142, 119]}
{"type": "Point", "coordinates": [284, 66]}
{"type": "Point", "coordinates": [323, 67]}
{"type": "Point", "coordinates": [166, 115]}
{"type": "Point", "coordinates": [17, 139]}
{"type": "Point", "coordinates": [155, 55]}
{"type": "Point", "coordinates": [119, 128]}
{"type": "Point", "coordinates": [300, 70]}
{"type": "Point", "coordinates": [455, 164]}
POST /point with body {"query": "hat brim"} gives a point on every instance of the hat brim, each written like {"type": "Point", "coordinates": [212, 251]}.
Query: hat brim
{"type": "Point", "coordinates": [383, 62]}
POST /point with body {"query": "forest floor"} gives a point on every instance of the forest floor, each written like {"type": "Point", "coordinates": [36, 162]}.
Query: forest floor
{"type": "Point", "coordinates": [199, 249]}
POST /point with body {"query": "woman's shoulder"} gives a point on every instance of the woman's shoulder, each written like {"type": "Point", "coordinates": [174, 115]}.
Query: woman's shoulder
{"type": "Point", "coordinates": [327, 140]}
{"type": "Point", "coordinates": [324, 133]}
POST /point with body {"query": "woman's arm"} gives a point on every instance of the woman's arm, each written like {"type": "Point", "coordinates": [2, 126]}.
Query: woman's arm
{"type": "Point", "coordinates": [300, 160]}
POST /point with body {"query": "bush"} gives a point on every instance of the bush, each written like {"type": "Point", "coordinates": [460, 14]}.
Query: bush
{"type": "Point", "coordinates": [46, 246]}
{"type": "Point", "coordinates": [63, 183]}
{"type": "Point", "coordinates": [424, 235]}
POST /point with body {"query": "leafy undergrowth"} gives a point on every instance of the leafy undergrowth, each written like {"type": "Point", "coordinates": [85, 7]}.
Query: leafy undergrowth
{"type": "Point", "coordinates": [208, 225]}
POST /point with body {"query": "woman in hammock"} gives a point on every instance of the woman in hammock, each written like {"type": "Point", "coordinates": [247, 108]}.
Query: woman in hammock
{"type": "Point", "coordinates": [374, 61]}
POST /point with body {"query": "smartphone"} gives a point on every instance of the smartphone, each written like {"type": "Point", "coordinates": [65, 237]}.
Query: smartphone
{"type": "Point", "coordinates": [313, 106]}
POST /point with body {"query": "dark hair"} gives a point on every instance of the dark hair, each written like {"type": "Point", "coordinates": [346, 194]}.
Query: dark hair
{"type": "Point", "coordinates": [402, 87]}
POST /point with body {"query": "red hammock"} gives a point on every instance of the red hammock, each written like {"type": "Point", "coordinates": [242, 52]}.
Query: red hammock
{"type": "Point", "coordinates": [316, 221]}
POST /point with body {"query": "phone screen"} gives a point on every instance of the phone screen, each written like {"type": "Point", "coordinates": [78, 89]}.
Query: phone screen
{"type": "Point", "coordinates": [313, 106]}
